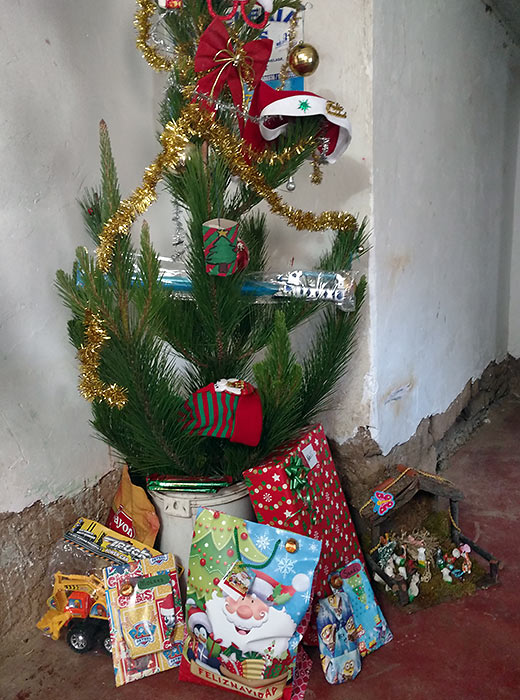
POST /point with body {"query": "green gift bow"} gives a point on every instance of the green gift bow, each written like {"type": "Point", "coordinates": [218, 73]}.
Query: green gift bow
{"type": "Point", "coordinates": [298, 474]}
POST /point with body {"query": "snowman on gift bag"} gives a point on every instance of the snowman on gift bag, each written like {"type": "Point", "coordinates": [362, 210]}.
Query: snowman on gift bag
{"type": "Point", "coordinates": [259, 619]}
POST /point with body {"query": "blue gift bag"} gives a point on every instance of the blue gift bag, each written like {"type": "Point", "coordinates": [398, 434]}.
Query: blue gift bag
{"type": "Point", "coordinates": [371, 629]}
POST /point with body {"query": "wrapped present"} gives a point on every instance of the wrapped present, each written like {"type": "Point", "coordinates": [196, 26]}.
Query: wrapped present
{"type": "Point", "coordinates": [298, 489]}
{"type": "Point", "coordinates": [339, 652]}
{"type": "Point", "coordinates": [247, 640]}
{"type": "Point", "coordinates": [146, 620]}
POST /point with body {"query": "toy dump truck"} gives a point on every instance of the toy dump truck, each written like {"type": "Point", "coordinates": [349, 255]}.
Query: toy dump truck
{"type": "Point", "coordinates": [78, 604]}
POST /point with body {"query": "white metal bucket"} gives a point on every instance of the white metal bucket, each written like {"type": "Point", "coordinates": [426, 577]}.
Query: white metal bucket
{"type": "Point", "coordinates": [177, 511]}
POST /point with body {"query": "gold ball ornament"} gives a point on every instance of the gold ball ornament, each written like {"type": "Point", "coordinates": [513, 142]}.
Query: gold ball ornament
{"type": "Point", "coordinates": [304, 60]}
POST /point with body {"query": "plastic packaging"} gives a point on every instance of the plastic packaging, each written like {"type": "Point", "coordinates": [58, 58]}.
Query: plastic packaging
{"type": "Point", "coordinates": [146, 620]}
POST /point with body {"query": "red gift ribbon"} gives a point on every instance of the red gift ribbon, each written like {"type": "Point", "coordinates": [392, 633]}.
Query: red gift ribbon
{"type": "Point", "coordinates": [298, 476]}
{"type": "Point", "coordinates": [229, 65]}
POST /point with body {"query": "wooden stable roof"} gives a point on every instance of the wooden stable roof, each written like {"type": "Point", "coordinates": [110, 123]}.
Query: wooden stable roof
{"type": "Point", "coordinates": [404, 485]}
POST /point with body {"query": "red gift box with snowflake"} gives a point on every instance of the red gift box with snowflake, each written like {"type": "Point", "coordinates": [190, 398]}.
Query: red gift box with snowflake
{"type": "Point", "coordinates": [298, 489]}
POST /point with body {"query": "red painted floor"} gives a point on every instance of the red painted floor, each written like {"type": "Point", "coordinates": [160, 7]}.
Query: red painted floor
{"type": "Point", "coordinates": [455, 651]}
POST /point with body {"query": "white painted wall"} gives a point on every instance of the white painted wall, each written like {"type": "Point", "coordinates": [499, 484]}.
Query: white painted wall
{"type": "Point", "coordinates": [344, 75]}
{"type": "Point", "coordinates": [514, 305]}
{"type": "Point", "coordinates": [439, 281]}
{"type": "Point", "coordinates": [64, 65]}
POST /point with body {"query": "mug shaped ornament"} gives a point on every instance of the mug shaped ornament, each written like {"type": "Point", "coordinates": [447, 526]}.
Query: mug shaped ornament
{"type": "Point", "coordinates": [267, 6]}
{"type": "Point", "coordinates": [224, 252]}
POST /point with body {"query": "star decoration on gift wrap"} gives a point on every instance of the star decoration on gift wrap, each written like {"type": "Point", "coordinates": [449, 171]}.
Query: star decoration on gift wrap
{"type": "Point", "coordinates": [288, 513]}
{"type": "Point", "coordinates": [276, 477]}
{"type": "Point", "coordinates": [304, 106]}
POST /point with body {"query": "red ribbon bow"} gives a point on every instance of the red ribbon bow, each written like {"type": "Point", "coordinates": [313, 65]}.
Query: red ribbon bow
{"type": "Point", "coordinates": [229, 65]}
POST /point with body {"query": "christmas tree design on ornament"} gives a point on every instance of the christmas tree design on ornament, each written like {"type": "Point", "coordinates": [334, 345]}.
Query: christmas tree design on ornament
{"type": "Point", "coordinates": [225, 253]}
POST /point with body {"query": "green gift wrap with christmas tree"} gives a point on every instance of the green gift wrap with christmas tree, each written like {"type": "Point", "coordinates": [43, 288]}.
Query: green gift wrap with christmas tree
{"type": "Point", "coordinates": [245, 637]}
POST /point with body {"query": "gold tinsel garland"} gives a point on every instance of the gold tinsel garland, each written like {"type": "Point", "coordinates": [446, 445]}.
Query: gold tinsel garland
{"type": "Point", "coordinates": [147, 9]}
{"type": "Point", "coordinates": [229, 146]}
{"type": "Point", "coordinates": [279, 157]}
{"type": "Point", "coordinates": [91, 386]}
{"type": "Point", "coordinates": [194, 122]}
{"type": "Point", "coordinates": [291, 36]}
{"type": "Point", "coordinates": [317, 174]}
{"type": "Point", "coordinates": [174, 142]}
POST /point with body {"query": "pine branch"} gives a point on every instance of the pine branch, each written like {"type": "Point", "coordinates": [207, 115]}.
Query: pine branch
{"type": "Point", "coordinates": [110, 196]}
{"type": "Point", "coordinates": [91, 211]}
{"type": "Point", "coordinates": [149, 294]}
{"type": "Point", "coordinates": [328, 356]}
{"type": "Point", "coordinates": [347, 246]}
{"type": "Point", "coordinates": [279, 380]}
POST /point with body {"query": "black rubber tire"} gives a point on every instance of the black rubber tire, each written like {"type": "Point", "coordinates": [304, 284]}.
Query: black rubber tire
{"type": "Point", "coordinates": [104, 641]}
{"type": "Point", "coordinates": [81, 637]}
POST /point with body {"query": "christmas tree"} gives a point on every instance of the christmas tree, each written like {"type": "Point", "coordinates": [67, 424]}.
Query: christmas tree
{"type": "Point", "coordinates": [215, 541]}
{"type": "Point", "coordinates": [218, 160]}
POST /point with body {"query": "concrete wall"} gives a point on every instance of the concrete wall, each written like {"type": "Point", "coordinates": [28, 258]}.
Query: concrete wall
{"type": "Point", "coordinates": [439, 275]}
{"type": "Point", "coordinates": [65, 65]}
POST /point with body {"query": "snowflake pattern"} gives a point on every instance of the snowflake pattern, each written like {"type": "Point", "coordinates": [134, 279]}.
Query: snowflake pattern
{"type": "Point", "coordinates": [313, 547]}
{"type": "Point", "coordinates": [307, 596]}
{"type": "Point", "coordinates": [263, 543]}
{"type": "Point", "coordinates": [285, 565]}
{"type": "Point", "coordinates": [268, 498]}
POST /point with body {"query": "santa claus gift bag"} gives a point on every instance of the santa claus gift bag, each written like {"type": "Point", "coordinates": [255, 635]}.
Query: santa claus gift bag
{"type": "Point", "coordinates": [249, 589]}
